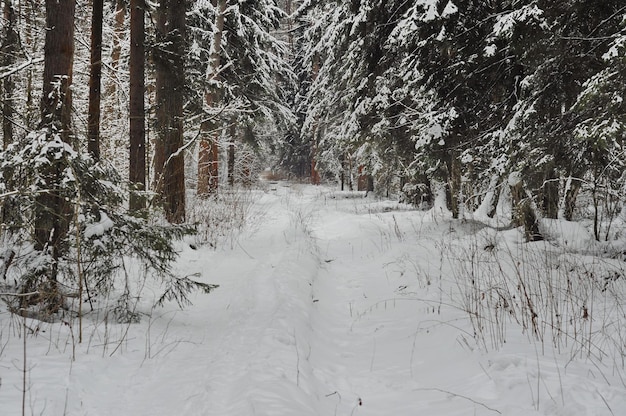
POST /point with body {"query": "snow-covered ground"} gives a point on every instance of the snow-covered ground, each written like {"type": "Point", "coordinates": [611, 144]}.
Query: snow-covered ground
{"type": "Point", "coordinates": [334, 304]}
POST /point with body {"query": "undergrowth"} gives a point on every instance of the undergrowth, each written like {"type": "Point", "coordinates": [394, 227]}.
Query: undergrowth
{"type": "Point", "coordinates": [569, 301]}
{"type": "Point", "coordinates": [221, 219]}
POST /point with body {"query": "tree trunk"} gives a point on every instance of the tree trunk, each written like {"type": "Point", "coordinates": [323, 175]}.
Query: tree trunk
{"type": "Point", "coordinates": [169, 62]}
{"type": "Point", "coordinates": [315, 176]}
{"type": "Point", "coordinates": [454, 183]}
{"type": "Point", "coordinates": [137, 166]}
{"type": "Point", "coordinates": [9, 49]}
{"type": "Point", "coordinates": [52, 210]}
{"type": "Point", "coordinates": [9, 46]}
{"type": "Point", "coordinates": [524, 213]}
{"type": "Point", "coordinates": [550, 194]}
{"type": "Point", "coordinates": [27, 10]}
{"type": "Point", "coordinates": [95, 78]}
{"type": "Point", "coordinates": [112, 110]}
{"type": "Point", "coordinates": [288, 7]}
{"type": "Point", "coordinates": [208, 149]}
{"type": "Point", "coordinates": [365, 181]}
{"type": "Point", "coordinates": [160, 85]}
{"type": "Point", "coordinates": [56, 103]}
{"type": "Point", "coordinates": [570, 198]}
{"type": "Point", "coordinates": [231, 154]}
{"type": "Point", "coordinates": [342, 175]}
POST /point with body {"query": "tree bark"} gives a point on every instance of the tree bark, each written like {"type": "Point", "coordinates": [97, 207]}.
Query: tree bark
{"type": "Point", "coordinates": [113, 111]}
{"type": "Point", "coordinates": [137, 166]}
{"type": "Point", "coordinates": [315, 176]}
{"type": "Point", "coordinates": [208, 173]}
{"type": "Point", "coordinates": [52, 212]}
{"type": "Point", "coordinates": [231, 154]}
{"type": "Point", "coordinates": [56, 102]}
{"type": "Point", "coordinates": [9, 49]}
{"type": "Point", "coordinates": [524, 213]}
{"type": "Point", "coordinates": [550, 194]}
{"type": "Point", "coordinates": [570, 198]}
{"type": "Point", "coordinates": [169, 62]}
{"type": "Point", "coordinates": [454, 182]}
{"type": "Point", "coordinates": [9, 46]}
{"type": "Point", "coordinates": [95, 81]}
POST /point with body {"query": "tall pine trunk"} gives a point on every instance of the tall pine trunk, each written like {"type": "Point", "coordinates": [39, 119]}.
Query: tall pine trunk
{"type": "Point", "coordinates": [170, 81]}
{"type": "Point", "coordinates": [137, 167]}
{"type": "Point", "coordinates": [95, 78]}
{"type": "Point", "coordinates": [9, 49]}
{"type": "Point", "coordinates": [208, 154]}
{"type": "Point", "coordinates": [53, 212]}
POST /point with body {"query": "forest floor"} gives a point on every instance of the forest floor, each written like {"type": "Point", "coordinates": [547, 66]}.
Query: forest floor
{"type": "Point", "coordinates": [332, 303]}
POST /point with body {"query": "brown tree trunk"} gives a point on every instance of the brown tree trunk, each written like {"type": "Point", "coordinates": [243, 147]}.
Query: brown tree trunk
{"type": "Point", "coordinates": [56, 103]}
{"type": "Point", "coordinates": [231, 154]}
{"type": "Point", "coordinates": [454, 182]}
{"type": "Point", "coordinates": [160, 85]}
{"type": "Point", "coordinates": [550, 194]}
{"type": "Point", "coordinates": [9, 46]}
{"type": "Point", "coordinates": [33, 110]}
{"type": "Point", "coordinates": [9, 49]}
{"type": "Point", "coordinates": [95, 78]}
{"type": "Point", "coordinates": [137, 166]}
{"type": "Point", "coordinates": [53, 212]}
{"type": "Point", "coordinates": [524, 213]}
{"type": "Point", "coordinates": [208, 150]}
{"type": "Point", "coordinates": [570, 199]}
{"type": "Point", "coordinates": [169, 62]}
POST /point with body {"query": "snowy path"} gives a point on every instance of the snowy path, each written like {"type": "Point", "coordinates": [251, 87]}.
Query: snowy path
{"type": "Point", "coordinates": [332, 305]}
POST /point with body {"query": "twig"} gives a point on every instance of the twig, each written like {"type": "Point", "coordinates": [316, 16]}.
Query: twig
{"type": "Point", "coordinates": [18, 68]}
{"type": "Point", "coordinates": [20, 295]}
{"type": "Point", "coordinates": [460, 396]}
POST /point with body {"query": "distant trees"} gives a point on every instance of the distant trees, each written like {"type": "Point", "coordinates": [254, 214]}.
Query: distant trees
{"type": "Point", "coordinates": [245, 77]}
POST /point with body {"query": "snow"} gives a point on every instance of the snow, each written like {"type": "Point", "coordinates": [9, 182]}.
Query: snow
{"type": "Point", "coordinates": [100, 227]}
{"type": "Point", "coordinates": [331, 303]}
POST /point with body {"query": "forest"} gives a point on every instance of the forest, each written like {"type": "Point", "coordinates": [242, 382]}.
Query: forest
{"type": "Point", "coordinates": [126, 110]}
{"type": "Point", "coordinates": [138, 133]}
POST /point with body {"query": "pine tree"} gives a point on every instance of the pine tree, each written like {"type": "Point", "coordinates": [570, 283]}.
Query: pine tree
{"type": "Point", "coordinates": [560, 47]}
{"type": "Point", "coordinates": [95, 79]}
{"type": "Point", "coordinates": [137, 159]}
{"type": "Point", "coordinates": [170, 96]}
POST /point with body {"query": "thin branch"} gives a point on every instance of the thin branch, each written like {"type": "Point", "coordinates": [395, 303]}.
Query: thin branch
{"type": "Point", "coordinates": [20, 67]}
{"type": "Point", "coordinates": [460, 396]}
{"type": "Point", "coordinates": [20, 295]}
